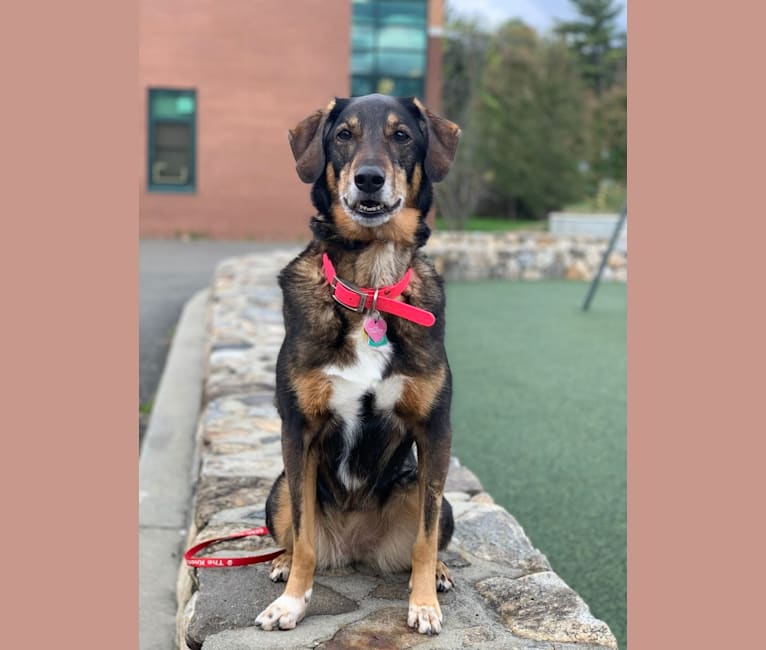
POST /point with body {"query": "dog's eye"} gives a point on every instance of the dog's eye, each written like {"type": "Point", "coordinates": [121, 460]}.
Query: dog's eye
{"type": "Point", "coordinates": [401, 136]}
{"type": "Point", "coordinates": [344, 135]}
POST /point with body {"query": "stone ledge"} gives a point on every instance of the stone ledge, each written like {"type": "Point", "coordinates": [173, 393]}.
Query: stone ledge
{"type": "Point", "coordinates": [506, 594]}
{"type": "Point", "coordinates": [524, 256]}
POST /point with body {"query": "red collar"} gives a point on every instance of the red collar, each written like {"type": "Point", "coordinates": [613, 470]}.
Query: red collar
{"type": "Point", "coordinates": [359, 299]}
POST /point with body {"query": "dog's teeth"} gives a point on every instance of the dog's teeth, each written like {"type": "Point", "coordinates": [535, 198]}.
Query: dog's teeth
{"type": "Point", "coordinates": [370, 208]}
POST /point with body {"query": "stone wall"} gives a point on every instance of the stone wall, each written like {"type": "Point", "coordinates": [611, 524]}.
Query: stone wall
{"type": "Point", "coordinates": [523, 256]}
{"type": "Point", "coordinates": [506, 593]}
{"type": "Point", "coordinates": [598, 224]}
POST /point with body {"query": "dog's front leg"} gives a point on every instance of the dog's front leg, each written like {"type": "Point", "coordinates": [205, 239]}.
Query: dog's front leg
{"type": "Point", "coordinates": [433, 446]}
{"type": "Point", "coordinates": [301, 471]}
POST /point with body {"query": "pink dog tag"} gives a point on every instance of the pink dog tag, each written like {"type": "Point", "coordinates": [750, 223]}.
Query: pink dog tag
{"type": "Point", "coordinates": [375, 328]}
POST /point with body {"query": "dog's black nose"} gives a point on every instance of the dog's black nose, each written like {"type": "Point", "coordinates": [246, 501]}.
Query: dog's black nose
{"type": "Point", "coordinates": [369, 179]}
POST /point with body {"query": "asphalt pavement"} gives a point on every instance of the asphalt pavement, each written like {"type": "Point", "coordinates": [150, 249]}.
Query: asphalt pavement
{"type": "Point", "coordinates": [170, 272]}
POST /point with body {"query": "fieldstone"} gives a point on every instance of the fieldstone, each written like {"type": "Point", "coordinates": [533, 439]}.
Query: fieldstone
{"type": "Point", "coordinates": [247, 463]}
{"type": "Point", "coordinates": [384, 629]}
{"type": "Point", "coordinates": [531, 274]}
{"type": "Point", "coordinates": [482, 497]}
{"type": "Point", "coordinates": [391, 591]}
{"type": "Point", "coordinates": [228, 346]}
{"type": "Point", "coordinates": [246, 516]}
{"type": "Point", "coordinates": [217, 493]}
{"type": "Point", "coordinates": [513, 270]}
{"type": "Point", "coordinates": [221, 442]}
{"type": "Point", "coordinates": [232, 597]}
{"type": "Point", "coordinates": [545, 257]}
{"type": "Point", "coordinates": [578, 270]}
{"type": "Point", "coordinates": [453, 559]}
{"type": "Point", "coordinates": [593, 257]}
{"type": "Point", "coordinates": [616, 260]}
{"type": "Point", "coordinates": [461, 479]}
{"type": "Point", "coordinates": [526, 259]}
{"type": "Point", "coordinates": [216, 387]}
{"type": "Point", "coordinates": [461, 507]}
{"type": "Point", "coordinates": [260, 404]}
{"type": "Point", "coordinates": [491, 533]}
{"type": "Point", "coordinates": [543, 607]}
{"type": "Point", "coordinates": [222, 529]}
{"type": "Point", "coordinates": [183, 619]}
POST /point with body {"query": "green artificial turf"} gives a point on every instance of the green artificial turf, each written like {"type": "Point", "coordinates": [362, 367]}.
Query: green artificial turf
{"type": "Point", "coordinates": [539, 415]}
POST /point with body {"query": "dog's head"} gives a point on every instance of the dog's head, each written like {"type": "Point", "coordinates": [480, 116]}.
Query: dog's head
{"type": "Point", "coordinates": [371, 161]}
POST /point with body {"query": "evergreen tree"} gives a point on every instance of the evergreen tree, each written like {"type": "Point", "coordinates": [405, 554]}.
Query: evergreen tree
{"type": "Point", "coordinates": [599, 46]}
{"type": "Point", "coordinates": [601, 52]}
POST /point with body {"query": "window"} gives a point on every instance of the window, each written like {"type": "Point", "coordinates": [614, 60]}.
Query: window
{"type": "Point", "coordinates": [388, 47]}
{"type": "Point", "coordinates": [172, 140]}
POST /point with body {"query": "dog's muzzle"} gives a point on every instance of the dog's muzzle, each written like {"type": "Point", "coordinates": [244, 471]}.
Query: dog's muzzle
{"type": "Point", "coordinates": [369, 201]}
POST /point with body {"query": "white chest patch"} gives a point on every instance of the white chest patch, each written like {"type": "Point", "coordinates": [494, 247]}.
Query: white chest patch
{"type": "Point", "coordinates": [351, 383]}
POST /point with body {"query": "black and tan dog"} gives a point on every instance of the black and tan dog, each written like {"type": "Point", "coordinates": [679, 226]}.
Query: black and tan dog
{"type": "Point", "coordinates": [363, 384]}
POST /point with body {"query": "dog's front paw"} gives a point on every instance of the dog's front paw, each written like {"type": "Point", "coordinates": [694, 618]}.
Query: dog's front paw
{"type": "Point", "coordinates": [427, 618]}
{"type": "Point", "coordinates": [284, 613]}
{"type": "Point", "coordinates": [280, 567]}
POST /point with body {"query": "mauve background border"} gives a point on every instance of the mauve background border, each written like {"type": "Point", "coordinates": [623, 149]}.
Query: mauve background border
{"type": "Point", "coordinates": [695, 330]}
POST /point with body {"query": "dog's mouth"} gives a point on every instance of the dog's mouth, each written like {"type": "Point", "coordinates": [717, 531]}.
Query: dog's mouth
{"type": "Point", "coordinates": [368, 212]}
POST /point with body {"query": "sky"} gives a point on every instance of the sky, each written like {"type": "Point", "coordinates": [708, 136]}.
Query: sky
{"type": "Point", "coordinates": [538, 13]}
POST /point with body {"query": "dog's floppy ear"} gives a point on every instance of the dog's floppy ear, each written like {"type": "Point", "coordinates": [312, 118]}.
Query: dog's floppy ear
{"type": "Point", "coordinates": [443, 137]}
{"type": "Point", "coordinates": [306, 143]}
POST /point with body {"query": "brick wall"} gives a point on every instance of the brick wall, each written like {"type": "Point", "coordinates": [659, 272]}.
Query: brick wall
{"type": "Point", "coordinates": [258, 68]}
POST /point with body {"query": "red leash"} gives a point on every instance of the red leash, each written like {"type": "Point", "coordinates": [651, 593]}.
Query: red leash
{"type": "Point", "coordinates": [218, 562]}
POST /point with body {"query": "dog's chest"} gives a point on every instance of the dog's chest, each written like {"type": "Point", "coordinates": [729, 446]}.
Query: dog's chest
{"type": "Point", "coordinates": [360, 396]}
{"type": "Point", "coordinates": [351, 383]}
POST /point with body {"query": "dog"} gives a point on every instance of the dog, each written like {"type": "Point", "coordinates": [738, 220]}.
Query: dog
{"type": "Point", "coordinates": [363, 383]}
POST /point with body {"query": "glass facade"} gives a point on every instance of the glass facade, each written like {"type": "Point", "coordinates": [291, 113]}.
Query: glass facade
{"type": "Point", "coordinates": [172, 140]}
{"type": "Point", "coordinates": [388, 47]}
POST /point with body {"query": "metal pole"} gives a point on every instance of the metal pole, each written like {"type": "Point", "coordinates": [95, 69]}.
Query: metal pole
{"type": "Point", "coordinates": [609, 249]}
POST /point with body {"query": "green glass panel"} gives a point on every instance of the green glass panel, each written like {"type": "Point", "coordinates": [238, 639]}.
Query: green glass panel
{"type": "Point", "coordinates": [401, 64]}
{"type": "Point", "coordinates": [362, 37]}
{"type": "Point", "coordinates": [362, 10]}
{"type": "Point", "coordinates": [361, 86]}
{"type": "Point", "coordinates": [185, 105]}
{"type": "Point", "coordinates": [409, 87]}
{"type": "Point", "coordinates": [411, 13]}
{"type": "Point", "coordinates": [362, 62]}
{"type": "Point", "coordinates": [408, 38]}
{"type": "Point", "coordinates": [163, 105]}
{"type": "Point", "coordinates": [172, 104]}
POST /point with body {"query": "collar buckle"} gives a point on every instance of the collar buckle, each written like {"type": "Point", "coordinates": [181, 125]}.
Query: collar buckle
{"type": "Point", "coordinates": [349, 286]}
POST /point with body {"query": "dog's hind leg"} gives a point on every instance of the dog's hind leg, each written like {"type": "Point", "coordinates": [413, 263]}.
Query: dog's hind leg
{"type": "Point", "coordinates": [280, 567]}
{"type": "Point", "coordinates": [400, 523]}
{"type": "Point", "coordinates": [444, 579]}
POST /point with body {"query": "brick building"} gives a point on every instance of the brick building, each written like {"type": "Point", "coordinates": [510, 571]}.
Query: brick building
{"type": "Point", "coordinates": [221, 82]}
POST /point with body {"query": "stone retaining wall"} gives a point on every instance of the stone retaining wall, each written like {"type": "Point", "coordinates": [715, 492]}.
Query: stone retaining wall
{"type": "Point", "coordinates": [506, 593]}
{"type": "Point", "coordinates": [523, 256]}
